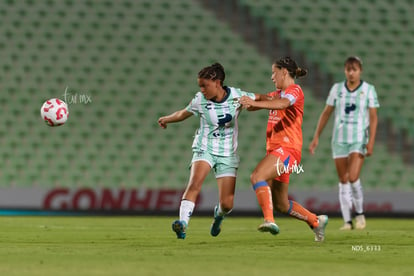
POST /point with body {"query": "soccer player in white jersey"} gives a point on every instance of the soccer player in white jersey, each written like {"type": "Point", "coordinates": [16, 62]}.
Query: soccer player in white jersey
{"type": "Point", "coordinates": [214, 146]}
{"type": "Point", "coordinates": [355, 103]}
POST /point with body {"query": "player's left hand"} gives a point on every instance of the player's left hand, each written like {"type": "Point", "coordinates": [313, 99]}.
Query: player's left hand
{"type": "Point", "coordinates": [370, 149]}
{"type": "Point", "coordinates": [246, 102]}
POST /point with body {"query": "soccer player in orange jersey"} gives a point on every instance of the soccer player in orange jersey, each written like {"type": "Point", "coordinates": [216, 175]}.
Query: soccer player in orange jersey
{"type": "Point", "coordinates": [270, 178]}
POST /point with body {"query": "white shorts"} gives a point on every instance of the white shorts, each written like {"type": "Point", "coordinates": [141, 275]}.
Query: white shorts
{"type": "Point", "coordinates": [222, 165]}
{"type": "Point", "coordinates": [343, 150]}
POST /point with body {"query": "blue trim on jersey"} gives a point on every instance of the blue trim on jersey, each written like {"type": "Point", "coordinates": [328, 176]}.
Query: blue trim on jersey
{"type": "Point", "coordinates": [225, 97]}
{"type": "Point", "coordinates": [259, 184]}
{"type": "Point", "coordinates": [349, 90]}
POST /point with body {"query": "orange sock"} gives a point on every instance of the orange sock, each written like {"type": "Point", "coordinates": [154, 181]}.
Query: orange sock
{"type": "Point", "coordinates": [298, 211]}
{"type": "Point", "coordinates": [264, 197]}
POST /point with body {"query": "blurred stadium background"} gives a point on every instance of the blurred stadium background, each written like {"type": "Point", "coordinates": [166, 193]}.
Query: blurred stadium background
{"type": "Point", "coordinates": [121, 64]}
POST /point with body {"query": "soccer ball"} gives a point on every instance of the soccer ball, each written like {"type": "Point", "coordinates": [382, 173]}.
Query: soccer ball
{"type": "Point", "coordinates": [54, 112]}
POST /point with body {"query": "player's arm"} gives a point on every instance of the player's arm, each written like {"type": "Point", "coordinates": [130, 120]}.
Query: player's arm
{"type": "Point", "coordinates": [373, 122]}
{"type": "Point", "coordinates": [265, 103]}
{"type": "Point", "coordinates": [177, 116]}
{"type": "Point", "coordinates": [323, 120]}
{"type": "Point", "coordinates": [259, 97]}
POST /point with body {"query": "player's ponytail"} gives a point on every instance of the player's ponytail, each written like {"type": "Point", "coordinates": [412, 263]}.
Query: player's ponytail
{"type": "Point", "coordinates": [290, 65]}
{"type": "Point", "coordinates": [213, 72]}
{"type": "Point", "coordinates": [300, 72]}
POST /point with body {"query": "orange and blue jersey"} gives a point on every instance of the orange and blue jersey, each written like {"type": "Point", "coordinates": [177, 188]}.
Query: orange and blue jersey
{"type": "Point", "coordinates": [284, 127]}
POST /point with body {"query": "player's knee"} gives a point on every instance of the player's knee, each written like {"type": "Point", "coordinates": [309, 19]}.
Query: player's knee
{"type": "Point", "coordinates": [194, 186]}
{"type": "Point", "coordinates": [344, 179]}
{"type": "Point", "coordinates": [226, 207]}
{"type": "Point", "coordinates": [227, 203]}
{"type": "Point", "coordinates": [254, 178]}
{"type": "Point", "coordinates": [353, 178]}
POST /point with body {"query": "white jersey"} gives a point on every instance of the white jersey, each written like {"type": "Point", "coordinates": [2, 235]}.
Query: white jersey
{"type": "Point", "coordinates": [352, 111]}
{"type": "Point", "coordinates": [218, 122]}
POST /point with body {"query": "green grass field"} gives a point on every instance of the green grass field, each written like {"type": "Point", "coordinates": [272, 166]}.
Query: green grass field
{"type": "Point", "coordinates": [147, 246]}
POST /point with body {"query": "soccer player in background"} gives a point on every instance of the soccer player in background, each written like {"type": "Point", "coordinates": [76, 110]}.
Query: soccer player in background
{"type": "Point", "coordinates": [355, 103]}
{"type": "Point", "coordinates": [270, 178]}
{"type": "Point", "coordinates": [214, 146]}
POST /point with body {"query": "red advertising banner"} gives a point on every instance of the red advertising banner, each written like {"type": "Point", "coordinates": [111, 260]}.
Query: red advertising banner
{"type": "Point", "coordinates": [120, 199]}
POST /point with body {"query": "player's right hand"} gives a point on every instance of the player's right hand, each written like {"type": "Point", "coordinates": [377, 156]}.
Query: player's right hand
{"type": "Point", "coordinates": [313, 145]}
{"type": "Point", "coordinates": [162, 123]}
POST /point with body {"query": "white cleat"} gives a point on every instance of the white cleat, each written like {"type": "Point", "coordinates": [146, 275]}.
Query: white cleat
{"type": "Point", "coordinates": [346, 227]}
{"type": "Point", "coordinates": [360, 222]}
{"type": "Point", "coordinates": [320, 230]}
{"type": "Point", "coordinates": [270, 227]}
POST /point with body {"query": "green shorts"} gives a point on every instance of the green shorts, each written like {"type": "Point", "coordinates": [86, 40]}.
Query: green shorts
{"type": "Point", "coordinates": [342, 150]}
{"type": "Point", "coordinates": [222, 165]}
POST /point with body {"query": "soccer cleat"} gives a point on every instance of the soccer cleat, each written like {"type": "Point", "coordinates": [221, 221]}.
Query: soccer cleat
{"type": "Point", "coordinates": [347, 226]}
{"type": "Point", "coordinates": [360, 222]}
{"type": "Point", "coordinates": [179, 227]}
{"type": "Point", "coordinates": [320, 230]}
{"type": "Point", "coordinates": [268, 226]}
{"type": "Point", "coordinates": [215, 226]}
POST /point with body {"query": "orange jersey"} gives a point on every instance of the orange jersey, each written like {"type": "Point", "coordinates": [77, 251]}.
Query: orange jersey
{"type": "Point", "coordinates": [284, 127]}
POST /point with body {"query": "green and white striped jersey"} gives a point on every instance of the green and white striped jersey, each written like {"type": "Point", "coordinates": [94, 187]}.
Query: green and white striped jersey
{"type": "Point", "coordinates": [218, 129]}
{"type": "Point", "coordinates": [352, 111]}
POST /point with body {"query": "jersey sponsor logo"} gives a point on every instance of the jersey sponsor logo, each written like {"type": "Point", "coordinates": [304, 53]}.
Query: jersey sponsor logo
{"type": "Point", "coordinates": [349, 108]}
{"type": "Point", "coordinates": [348, 122]}
{"type": "Point", "coordinates": [273, 116]}
{"type": "Point", "coordinates": [224, 118]}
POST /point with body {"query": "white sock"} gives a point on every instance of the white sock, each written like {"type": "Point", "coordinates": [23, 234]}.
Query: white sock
{"type": "Point", "coordinates": [358, 196]}
{"type": "Point", "coordinates": [345, 200]}
{"type": "Point", "coordinates": [186, 210]}
{"type": "Point", "coordinates": [220, 211]}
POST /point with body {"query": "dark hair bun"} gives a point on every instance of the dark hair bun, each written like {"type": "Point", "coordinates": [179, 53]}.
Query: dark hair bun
{"type": "Point", "coordinates": [217, 66]}
{"type": "Point", "coordinates": [300, 72]}
{"type": "Point", "coordinates": [294, 70]}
